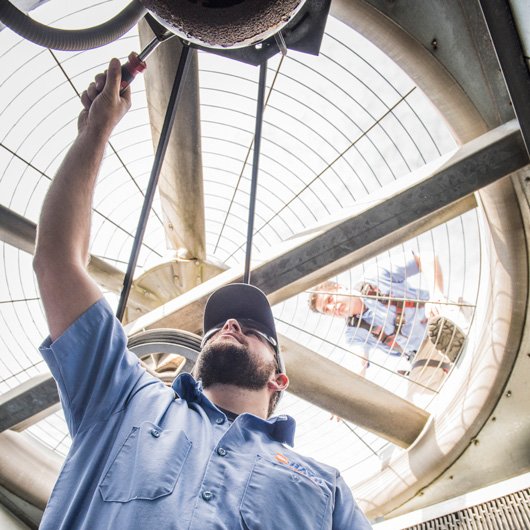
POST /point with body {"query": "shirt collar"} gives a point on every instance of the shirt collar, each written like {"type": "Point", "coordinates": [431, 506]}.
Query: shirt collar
{"type": "Point", "coordinates": [187, 388]}
{"type": "Point", "coordinates": [281, 428]}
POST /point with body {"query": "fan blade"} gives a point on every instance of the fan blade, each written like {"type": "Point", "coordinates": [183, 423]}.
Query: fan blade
{"type": "Point", "coordinates": [180, 185]}
{"type": "Point", "coordinates": [350, 396]}
{"type": "Point", "coordinates": [20, 233]}
{"type": "Point", "coordinates": [34, 480]}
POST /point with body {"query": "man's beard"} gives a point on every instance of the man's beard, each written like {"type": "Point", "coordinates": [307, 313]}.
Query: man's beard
{"type": "Point", "coordinates": [232, 364]}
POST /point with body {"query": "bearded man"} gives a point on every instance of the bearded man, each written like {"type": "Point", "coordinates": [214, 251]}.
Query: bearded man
{"type": "Point", "coordinates": [203, 454]}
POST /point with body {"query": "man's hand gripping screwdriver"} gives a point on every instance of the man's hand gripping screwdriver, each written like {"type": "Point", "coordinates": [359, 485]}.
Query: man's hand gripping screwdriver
{"type": "Point", "coordinates": [136, 62]}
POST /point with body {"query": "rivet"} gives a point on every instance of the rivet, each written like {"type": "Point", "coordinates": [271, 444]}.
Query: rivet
{"type": "Point", "coordinates": [434, 44]}
{"type": "Point", "coordinates": [494, 418]}
{"type": "Point", "coordinates": [508, 394]}
{"type": "Point", "coordinates": [475, 441]}
{"type": "Point", "coordinates": [451, 477]}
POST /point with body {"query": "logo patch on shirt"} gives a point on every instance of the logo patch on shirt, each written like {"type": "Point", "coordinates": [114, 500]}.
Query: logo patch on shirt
{"type": "Point", "coordinates": [281, 458]}
{"type": "Point", "coordinates": [298, 468]}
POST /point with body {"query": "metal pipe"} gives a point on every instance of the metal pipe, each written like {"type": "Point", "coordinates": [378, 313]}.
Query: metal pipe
{"type": "Point", "coordinates": [155, 173]}
{"type": "Point", "coordinates": [255, 166]}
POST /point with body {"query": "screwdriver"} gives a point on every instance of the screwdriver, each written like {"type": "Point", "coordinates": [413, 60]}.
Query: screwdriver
{"type": "Point", "coordinates": [136, 61]}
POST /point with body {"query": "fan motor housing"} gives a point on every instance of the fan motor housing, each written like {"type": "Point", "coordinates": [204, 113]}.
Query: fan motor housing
{"type": "Point", "coordinates": [224, 24]}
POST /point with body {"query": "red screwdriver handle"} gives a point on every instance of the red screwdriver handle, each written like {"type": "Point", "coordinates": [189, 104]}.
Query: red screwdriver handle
{"type": "Point", "coordinates": [130, 69]}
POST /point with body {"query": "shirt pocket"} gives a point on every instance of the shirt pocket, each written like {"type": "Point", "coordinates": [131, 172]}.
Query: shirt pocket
{"type": "Point", "coordinates": [147, 465]}
{"type": "Point", "coordinates": [278, 497]}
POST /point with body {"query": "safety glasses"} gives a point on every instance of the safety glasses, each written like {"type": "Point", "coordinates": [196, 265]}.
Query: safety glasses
{"type": "Point", "coordinates": [248, 327]}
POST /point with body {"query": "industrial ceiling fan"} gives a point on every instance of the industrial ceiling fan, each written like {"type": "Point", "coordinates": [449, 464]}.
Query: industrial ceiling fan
{"type": "Point", "coordinates": [171, 294]}
{"type": "Point", "coordinates": [299, 26]}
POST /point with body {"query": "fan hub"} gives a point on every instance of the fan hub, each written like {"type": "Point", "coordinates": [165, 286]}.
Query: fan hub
{"type": "Point", "coordinates": [224, 23]}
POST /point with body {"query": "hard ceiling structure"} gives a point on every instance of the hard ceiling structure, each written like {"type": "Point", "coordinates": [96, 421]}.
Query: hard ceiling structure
{"type": "Point", "coordinates": [408, 132]}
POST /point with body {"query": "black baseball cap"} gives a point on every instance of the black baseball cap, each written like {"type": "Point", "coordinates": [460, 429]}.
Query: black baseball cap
{"type": "Point", "coordinates": [240, 301]}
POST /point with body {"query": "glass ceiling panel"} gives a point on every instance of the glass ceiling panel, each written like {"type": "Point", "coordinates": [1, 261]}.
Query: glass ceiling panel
{"type": "Point", "coordinates": [338, 128]}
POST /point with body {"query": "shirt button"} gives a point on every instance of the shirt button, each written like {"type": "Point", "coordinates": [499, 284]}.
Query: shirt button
{"type": "Point", "coordinates": [221, 451]}
{"type": "Point", "coordinates": [155, 433]}
{"type": "Point", "coordinates": [220, 420]}
{"type": "Point", "coordinates": [207, 495]}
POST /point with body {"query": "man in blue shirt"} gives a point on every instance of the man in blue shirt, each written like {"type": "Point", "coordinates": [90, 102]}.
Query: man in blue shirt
{"type": "Point", "coordinates": [201, 455]}
{"type": "Point", "coordinates": [385, 312]}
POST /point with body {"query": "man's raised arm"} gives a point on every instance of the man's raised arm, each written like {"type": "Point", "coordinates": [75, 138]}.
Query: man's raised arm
{"type": "Point", "coordinates": [63, 232]}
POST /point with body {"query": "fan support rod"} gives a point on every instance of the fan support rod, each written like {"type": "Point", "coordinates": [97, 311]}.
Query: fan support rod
{"type": "Point", "coordinates": [255, 166]}
{"type": "Point", "coordinates": [155, 173]}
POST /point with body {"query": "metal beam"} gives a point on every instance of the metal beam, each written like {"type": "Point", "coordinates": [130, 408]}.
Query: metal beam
{"type": "Point", "coordinates": [28, 403]}
{"type": "Point", "coordinates": [17, 231]}
{"type": "Point", "coordinates": [503, 33]}
{"type": "Point", "coordinates": [436, 198]}
{"type": "Point", "coordinates": [185, 312]}
{"type": "Point", "coordinates": [350, 396]}
{"type": "Point", "coordinates": [181, 182]}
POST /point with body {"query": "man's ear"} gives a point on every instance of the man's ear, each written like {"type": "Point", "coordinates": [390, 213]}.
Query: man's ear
{"type": "Point", "coordinates": [278, 382]}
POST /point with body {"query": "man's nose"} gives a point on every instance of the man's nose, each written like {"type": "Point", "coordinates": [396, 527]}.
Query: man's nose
{"type": "Point", "coordinates": [232, 324]}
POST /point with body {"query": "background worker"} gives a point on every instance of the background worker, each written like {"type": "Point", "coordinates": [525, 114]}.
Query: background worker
{"type": "Point", "coordinates": [384, 312]}
{"type": "Point", "coordinates": [201, 455]}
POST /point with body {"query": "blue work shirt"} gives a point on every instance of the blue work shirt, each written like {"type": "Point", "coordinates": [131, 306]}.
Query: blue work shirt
{"type": "Point", "coordinates": [392, 282]}
{"type": "Point", "coordinates": [145, 456]}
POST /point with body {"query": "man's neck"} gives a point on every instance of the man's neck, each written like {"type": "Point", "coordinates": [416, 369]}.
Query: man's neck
{"type": "Point", "coordinates": [239, 400]}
